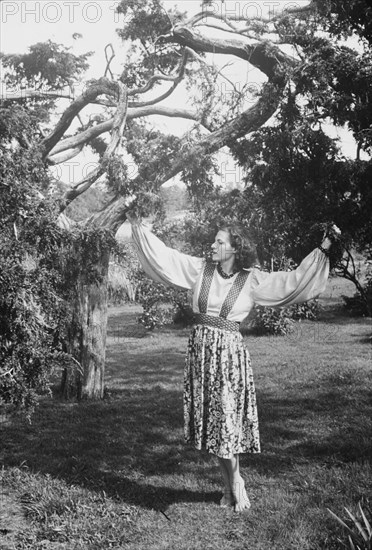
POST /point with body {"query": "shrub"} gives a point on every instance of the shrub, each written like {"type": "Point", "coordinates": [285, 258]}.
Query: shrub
{"type": "Point", "coordinates": [280, 321]}
{"type": "Point", "coordinates": [269, 320]}
{"type": "Point", "coordinates": [155, 317]}
{"type": "Point", "coordinates": [162, 305]}
{"type": "Point", "coordinates": [307, 310]}
{"type": "Point", "coordinates": [33, 311]}
{"type": "Point", "coordinates": [361, 305]}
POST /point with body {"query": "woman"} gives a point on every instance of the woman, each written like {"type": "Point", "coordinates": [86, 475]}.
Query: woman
{"type": "Point", "coordinates": [219, 396]}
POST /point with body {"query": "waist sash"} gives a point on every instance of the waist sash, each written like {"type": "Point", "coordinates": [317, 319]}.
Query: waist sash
{"type": "Point", "coordinates": [216, 322]}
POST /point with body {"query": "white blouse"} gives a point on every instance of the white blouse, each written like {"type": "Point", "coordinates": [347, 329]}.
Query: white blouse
{"type": "Point", "coordinates": [277, 289]}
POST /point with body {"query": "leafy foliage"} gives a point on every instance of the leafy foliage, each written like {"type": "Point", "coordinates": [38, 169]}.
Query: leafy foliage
{"type": "Point", "coordinates": [341, 19]}
{"type": "Point", "coordinates": [146, 21]}
{"type": "Point", "coordinates": [361, 303]}
{"type": "Point", "coordinates": [334, 82]}
{"type": "Point", "coordinates": [87, 204]}
{"type": "Point", "coordinates": [280, 321]}
{"type": "Point", "coordinates": [274, 321]}
{"type": "Point", "coordinates": [161, 304]}
{"type": "Point", "coordinates": [87, 248]}
{"type": "Point", "coordinates": [307, 310]}
{"type": "Point", "coordinates": [296, 181]}
{"type": "Point", "coordinates": [19, 123]}
{"type": "Point", "coordinates": [47, 66]}
{"type": "Point", "coordinates": [41, 264]}
{"type": "Point", "coordinates": [32, 308]}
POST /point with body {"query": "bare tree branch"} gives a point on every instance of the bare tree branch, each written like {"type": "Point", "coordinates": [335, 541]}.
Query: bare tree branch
{"type": "Point", "coordinates": [69, 154]}
{"type": "Point", "coordinates": [263, 55]}
{"type": "Point", "coordinates": [150, 83]}
{"type": "Point", "coordinates": [87, 135]}
{"type": "Point", "coordinates": [117, 130]}
{"type": "Point", "coordinates": [108, 60]}
{"type": "Point", "coordinates": [98, 87]}
{"type": "Point", "coordinates": [114, 214]}
{"type": "Point", "coordinates": [155, 78]}
{"type": "Point", "coordinates": [157, 99]}
{"type": "Point", "coordinates": [26, 93]}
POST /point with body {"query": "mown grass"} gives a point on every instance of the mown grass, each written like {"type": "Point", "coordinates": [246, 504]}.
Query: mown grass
{"type": "Point", "coordinates": [116, 473]}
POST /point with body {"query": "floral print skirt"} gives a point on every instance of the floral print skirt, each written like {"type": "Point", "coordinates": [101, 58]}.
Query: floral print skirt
{"type": "Point", "coordinates": [219, 396]}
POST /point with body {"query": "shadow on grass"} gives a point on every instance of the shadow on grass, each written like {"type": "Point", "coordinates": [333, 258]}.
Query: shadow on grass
{"type": "Point", "coordinates": [333, 426]}
{"type": "Point", "coordinates": [131, 444]}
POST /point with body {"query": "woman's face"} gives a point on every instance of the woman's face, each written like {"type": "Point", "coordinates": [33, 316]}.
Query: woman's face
{"type": "Point", "coordinates": [221, 248]}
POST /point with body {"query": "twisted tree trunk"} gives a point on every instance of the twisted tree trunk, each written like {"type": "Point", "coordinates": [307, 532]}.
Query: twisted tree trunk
{"type": "Point", "coordinates": [87, 333]}
{"type": "Point", "coordinates": [87, 338]}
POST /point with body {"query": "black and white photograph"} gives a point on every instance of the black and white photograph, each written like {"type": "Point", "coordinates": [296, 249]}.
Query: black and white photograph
{"type": "Point", "coordinates": [185, 275]}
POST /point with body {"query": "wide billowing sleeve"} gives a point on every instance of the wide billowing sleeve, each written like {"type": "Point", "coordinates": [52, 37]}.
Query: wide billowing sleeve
{"type": "Point", "coordinates": [283, 288]}
{"type": "Point", "coordinates": [164, 264]}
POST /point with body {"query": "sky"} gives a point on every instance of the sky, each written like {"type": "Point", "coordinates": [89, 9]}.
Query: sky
{"type": "Point", "coordinates": [24, 23]}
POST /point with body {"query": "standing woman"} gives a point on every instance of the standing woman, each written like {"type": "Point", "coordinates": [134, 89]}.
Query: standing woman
{"type": "Point", "coordinates": [220, 409]}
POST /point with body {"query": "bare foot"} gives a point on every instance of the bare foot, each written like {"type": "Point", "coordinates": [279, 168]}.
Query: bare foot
{"type": "Point", "coordinates": [241, 500]}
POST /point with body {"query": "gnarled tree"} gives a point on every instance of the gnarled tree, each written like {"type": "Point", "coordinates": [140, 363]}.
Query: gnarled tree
{"type": "Point", "coordinates": [169, 50]}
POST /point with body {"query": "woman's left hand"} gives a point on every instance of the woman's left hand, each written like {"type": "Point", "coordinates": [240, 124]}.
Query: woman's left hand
{"type": "Point", "coordinates": [333, 234]}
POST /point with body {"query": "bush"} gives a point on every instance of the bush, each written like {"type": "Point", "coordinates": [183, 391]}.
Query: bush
{"type": "Point", "coordinates": [33, 310]}
{"type": "Point", "coordinates": [162, 305]}
{"type": "Point", "coordinates": [156, 317]}
{"type": "Point", "coordinates": [280, 321]}
{"type": "Point", "coordinates": [306, 310]}
{"type": "Point", "coordinates": [360, 305]}
{"type": "Point", "coordinates": [269, 320]}
{"type": "Point", "coordinates": [33, 313]}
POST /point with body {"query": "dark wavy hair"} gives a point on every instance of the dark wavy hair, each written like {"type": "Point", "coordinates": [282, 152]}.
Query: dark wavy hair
{"type": "Point", "coordinates": [242, 241]}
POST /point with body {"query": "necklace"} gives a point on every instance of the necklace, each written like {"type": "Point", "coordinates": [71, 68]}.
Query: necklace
{"type": "Point", "coordinates": [223, 274]}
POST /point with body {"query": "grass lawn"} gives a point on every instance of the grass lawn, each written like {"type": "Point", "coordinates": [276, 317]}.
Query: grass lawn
{"type": "Point", "coordinates": [116, 473]}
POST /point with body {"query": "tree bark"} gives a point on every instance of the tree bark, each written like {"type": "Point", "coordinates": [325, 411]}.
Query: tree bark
{"type": "Point", "coordinates": [93, 307]}
{"type": "Point", "coordinates": [87, 333]}
{"type": "Point", "coordinates": [265, 56]}
{"type": "Point", "coordinates": [90, 317]}
{"type": "Point", "coordinates": [97, 88]}
{"type": "Point", "coordinates": [84, 137]}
